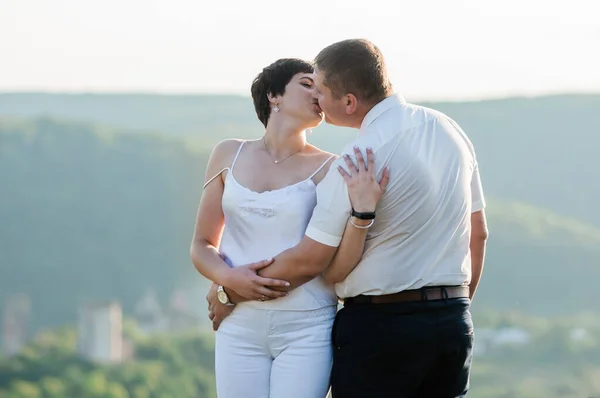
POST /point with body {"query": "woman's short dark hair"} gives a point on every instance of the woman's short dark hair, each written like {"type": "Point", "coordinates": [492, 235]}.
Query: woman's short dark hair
{"type": "Point", "coordinates": [354, 66]}
{"type": "Point", "coordinates": [272, 80]}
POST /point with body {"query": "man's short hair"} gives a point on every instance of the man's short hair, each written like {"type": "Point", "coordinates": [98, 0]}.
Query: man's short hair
{"type": "Point", "coordinates": [354, 66]}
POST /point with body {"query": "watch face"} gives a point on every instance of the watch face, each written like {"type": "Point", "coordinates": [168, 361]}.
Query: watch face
{"type": "Point", "coordinates": [222, 296]}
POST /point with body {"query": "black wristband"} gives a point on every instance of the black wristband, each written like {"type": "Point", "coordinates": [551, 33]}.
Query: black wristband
{"type": "Point", "coordinates": [363, 216]}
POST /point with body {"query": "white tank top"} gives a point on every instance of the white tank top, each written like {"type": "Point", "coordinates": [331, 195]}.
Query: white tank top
{"type": "Point", "coordinates": [262, 225]}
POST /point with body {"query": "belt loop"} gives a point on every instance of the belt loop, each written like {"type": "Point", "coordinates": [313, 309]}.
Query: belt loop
{"type": "Point", "coordinates": [445, 293]}
{"type": "Point", "coordinates": [424, 295]}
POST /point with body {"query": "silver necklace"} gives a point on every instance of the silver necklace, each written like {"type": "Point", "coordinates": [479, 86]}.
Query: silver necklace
{"type": "Point", "coordinates": [280, 161]}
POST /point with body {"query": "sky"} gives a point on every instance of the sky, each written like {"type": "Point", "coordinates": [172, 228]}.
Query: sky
{"type": "Point", "coordinates": [435, 49]}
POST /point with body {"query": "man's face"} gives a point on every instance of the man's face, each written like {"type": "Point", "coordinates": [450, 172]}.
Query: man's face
{"type": "Point", "coordinates": [334, 109]}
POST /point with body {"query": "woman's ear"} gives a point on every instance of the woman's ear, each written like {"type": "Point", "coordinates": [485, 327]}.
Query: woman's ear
{"type": "Point", "coordinates": [273, 99]}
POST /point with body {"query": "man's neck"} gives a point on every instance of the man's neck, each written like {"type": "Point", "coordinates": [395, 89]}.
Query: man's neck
{"type": "Point", "coordinates": [361, 113]}
{"type": "Point", "coordinates": [366, 109]}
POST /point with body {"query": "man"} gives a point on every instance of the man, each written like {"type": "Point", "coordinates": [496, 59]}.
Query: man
{"type": "Point", "coordinates": [405, 329]}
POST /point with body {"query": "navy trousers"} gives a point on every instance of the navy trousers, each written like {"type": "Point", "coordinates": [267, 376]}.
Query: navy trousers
{"type": "Point", "coordinates": [403, 350]}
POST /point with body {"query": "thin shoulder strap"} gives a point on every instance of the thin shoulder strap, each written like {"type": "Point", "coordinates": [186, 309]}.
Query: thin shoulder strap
{"type": "Point", "coordinates": [321, 167]}
{"type": "Point", "coordinates": [225, 168]}
{"type": "Point", "coordinates": [215, 176]}
{"type": "Point", "coordinates": [237, 154]}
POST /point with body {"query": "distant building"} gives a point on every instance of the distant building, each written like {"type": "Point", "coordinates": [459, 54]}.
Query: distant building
{"type": "Point", "coordinates": [489, 339]}
{"type": "Point", "coordinates": [579, 334]}
{"type": "Point", "coordinates": [14, 325]}
{"type": "Point", "coordinates": [184, 312]}
{"type": "Point", "coordinates": [149, 315]}
{"type": "Point", "coordinates": [128, 350]}
{"type": "Point", "coordinates": [100, 332]}
{"type": "Point", "coordinates": [182, 316]}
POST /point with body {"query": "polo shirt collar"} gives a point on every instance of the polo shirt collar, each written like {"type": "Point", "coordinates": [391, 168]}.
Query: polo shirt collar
{"type": "Point", "coordinates": [380, 108]}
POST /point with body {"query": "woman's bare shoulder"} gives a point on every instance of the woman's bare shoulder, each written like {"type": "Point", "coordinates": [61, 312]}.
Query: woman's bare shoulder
{"type": "Point", "coordinates": [226, 147]}
{"type": "Point", "coordinates": [221, 157]}
{"type": "Point", "coordinates": [223, 153]}
{"type": "Point", "coordinates": [324, 159]}
{"type": "Point", "coordinates": [321, 154]}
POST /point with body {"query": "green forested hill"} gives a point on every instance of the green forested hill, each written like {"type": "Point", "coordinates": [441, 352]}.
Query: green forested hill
{"type": "Point", "coordinates": [551, 365]}
{"type": "Point", "coordinates": [540, 151]}
{"type": "Point", "coordinates": [539, 262]}
{"type": "Point", "coordinates": [90, 213]}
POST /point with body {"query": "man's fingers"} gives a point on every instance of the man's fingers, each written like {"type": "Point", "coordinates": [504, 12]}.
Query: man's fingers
{"type": "Point", "coordinates": [271, 282]}
{"type": "Point", "coordinates": [385, 178]}
{"type": "Point", "coordinates": [370, 160]}
{"type": "Point", "coordinates": [264, 293]}
{"type": "Point", "coordinates": [260, 264]}
{"type": "Point", "coordinates": [211, 315]}
{"type": "Point", "coordinates": [359, 159]}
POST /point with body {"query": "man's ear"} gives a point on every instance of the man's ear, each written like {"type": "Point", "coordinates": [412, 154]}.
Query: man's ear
{"type": "Point", "coordinates": [351, 103]}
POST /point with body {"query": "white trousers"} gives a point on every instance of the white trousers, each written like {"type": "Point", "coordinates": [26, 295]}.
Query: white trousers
{"type": "Point", "coordinates": [274, 353]}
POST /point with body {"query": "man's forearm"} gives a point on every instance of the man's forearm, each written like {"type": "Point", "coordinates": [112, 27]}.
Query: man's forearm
{"type": "Point", "coordinates": [296, 265]}
{"type": "Point", "coordinates": [479, 235]}
{"type": "Point", "coordinates": [477, 247]}
{"type": "Point", "coordinates": [290, 266]}
{"type": "Point", "coordinates": [301, 263]}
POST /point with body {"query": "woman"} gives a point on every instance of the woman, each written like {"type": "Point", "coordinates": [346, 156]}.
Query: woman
{"type": "Point", "coordinates": [257, 201]}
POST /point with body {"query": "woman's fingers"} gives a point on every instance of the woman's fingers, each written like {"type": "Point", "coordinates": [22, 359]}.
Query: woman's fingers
{"type": "Point", "coordinates": [359, 159]}
{"type": "Point", "coordinates": [351, 166]}
{"type": "Point", "coordinates": [370, 161]}
{"type": "Point", "coordinates": [385, 178]}
{"type": "Point", "coordinates": [362, 165]}
{"type": "Point", "coordinates": [344, 174]}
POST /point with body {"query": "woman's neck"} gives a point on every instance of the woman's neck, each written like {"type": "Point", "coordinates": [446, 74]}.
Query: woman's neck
{"type": "Point", "coordinates": [282, 139]}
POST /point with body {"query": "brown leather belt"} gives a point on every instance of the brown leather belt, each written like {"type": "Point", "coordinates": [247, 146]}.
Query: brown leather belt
{"type": "Point", "coordinates": [406, 296]}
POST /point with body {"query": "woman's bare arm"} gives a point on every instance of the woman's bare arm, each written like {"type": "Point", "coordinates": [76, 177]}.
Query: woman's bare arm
{"type": "Point", "coordinates": [208, 231]}
{"type": "Point", "coordinates": [349, 252]}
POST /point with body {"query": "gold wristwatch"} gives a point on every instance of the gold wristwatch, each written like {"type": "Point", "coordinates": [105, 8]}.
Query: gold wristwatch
{"type": "Point", "coordinates": [222, 296]}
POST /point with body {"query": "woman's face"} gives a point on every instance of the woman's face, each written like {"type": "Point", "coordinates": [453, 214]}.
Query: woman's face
{"type": "Point", "coordinates": [300, 101]}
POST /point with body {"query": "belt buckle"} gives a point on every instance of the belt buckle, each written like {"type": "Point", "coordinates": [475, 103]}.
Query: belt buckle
{"type": "Point", "coordinates": [441, 289]}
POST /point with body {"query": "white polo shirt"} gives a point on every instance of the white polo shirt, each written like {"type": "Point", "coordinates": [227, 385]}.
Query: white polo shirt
{"type": "Point", "coordinates": [422, 229]}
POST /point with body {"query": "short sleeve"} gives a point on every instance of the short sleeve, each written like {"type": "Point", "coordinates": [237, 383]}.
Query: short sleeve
{"type": "Point", "coordinates": [333, 208]}
{"type": "Point", "coordinates": [477, 198]}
